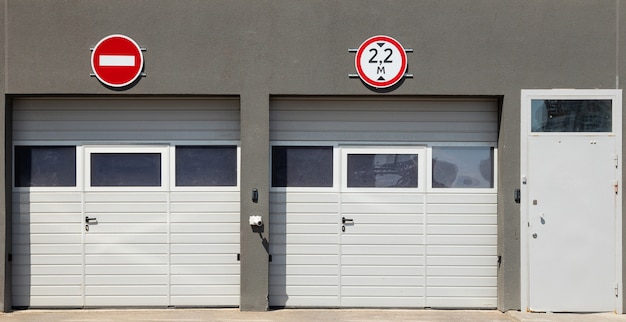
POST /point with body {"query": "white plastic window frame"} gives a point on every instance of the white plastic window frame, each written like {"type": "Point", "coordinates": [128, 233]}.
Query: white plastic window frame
{"type": "Point", "coordinates": [79, 166]}
{"type": "Point", "coordinates": [335, 147]}
{"type": "Point", "coordinates": [389, 149]}
{"type": "Point", "coordinates": [163, 150]}
{"type": "Point", "coordinates": [429, 167]}
{"type": "Point", "coordinates": [172, 166]}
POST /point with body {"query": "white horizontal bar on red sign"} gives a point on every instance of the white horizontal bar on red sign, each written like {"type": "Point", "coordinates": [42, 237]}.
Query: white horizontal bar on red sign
{"type": "Point", "coordinates": [117, 60]}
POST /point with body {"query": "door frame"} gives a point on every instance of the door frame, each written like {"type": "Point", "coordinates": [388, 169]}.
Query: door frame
{"type": "Point", "coordinates": [525, 131]}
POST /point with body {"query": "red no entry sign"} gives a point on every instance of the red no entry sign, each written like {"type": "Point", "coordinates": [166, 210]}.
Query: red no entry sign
{"type": "Point", "coordinates": [117, 60]}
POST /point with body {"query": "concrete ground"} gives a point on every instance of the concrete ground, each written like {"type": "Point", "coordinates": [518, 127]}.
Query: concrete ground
{"type": "Point", "coordinates": [298, 315]}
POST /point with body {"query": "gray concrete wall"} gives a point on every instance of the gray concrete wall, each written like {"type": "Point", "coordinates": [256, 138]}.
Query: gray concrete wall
{"type": "Point", "coordinates": [255, 49]}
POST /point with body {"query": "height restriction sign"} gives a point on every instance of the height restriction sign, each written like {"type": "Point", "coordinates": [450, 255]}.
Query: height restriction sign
{"type": "Point", "coordinates": [381, 61]}
{"type": "Point", "coordinates": [117, 60]}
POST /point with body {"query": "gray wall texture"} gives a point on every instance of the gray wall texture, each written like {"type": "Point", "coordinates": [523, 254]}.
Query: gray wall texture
{"type": "Point", "coordinates": [256, 49]}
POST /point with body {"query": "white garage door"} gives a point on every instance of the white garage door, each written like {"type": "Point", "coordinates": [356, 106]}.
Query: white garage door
{"type": "Point", "coordinates": [125, 203]}
{"type": "Point", "coordinates": [383, 203]}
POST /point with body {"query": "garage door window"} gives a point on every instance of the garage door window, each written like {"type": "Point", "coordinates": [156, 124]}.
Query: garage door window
{"type": "Point", "coordinates": [125, 169]}
{"type": "Point", "coordinates": [45, 166]}
{"type": "Point", "coordinates": [382, 170]}
{"type": "Point", "coordinates": [206, 166]}
{"type": "Point", "coordinates": [462, 167]}
{"type": "Point", "coordinates": [302, 166]}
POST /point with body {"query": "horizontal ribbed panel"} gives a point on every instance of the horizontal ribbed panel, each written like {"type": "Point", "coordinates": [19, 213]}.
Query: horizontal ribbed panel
{"type": "Point", "coordinates": [156, 120]}
{"type": "Point", "coordinates": [392, 120]}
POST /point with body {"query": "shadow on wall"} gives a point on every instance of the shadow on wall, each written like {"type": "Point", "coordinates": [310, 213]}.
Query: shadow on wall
{"type": "Point", "coordinates": [278, 294]}
{"type": "Point", "coordinates": [21, 250]}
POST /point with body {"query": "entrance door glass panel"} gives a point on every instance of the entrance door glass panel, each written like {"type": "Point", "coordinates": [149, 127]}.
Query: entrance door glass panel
{"type": "Point", "coordinates": [558, 115]}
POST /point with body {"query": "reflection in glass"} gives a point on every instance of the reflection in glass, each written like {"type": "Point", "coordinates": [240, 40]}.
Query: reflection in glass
{"type": "Point", "coordinates": [571, 115]}
{"type": "Point", "coordinates": [125, 169]}
{"type": "Point", "coordinates": [45, 166]}
{"type": "Point", "coordinates": [302, 166]}
{"type": "Point", "coordinates": [382, 170]}
{"type": "Point", "coordinates": [206, 166]}
{"type": "Point", "coordinates": [462, 167]}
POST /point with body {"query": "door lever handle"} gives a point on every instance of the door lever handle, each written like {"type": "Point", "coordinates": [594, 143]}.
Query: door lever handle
{"type": "Point", "coordinates": [89, 220]}
{"type": "Point", "coordinates": [345, 220]}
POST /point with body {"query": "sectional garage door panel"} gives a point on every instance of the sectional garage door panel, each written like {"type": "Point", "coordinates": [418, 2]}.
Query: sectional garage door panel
{"type": "Point", "coordinates": [47, 250]}
{"type": "Point", "coordinates": [161, 120]}
{"type": "Point", "coordinates": [305, 249]}
{"type": "Point", "coordinates": [461, 250]}
{"type": "Point", "coordinates": [163, 245]}
{"type": "Point", "coordinates": [204, 238]}
{"type": "Point", "coordinates": [420, 250]}
{"type": "Point", "coordinates": [430, 245]}
{"type": "Point", "coordinates": [383, 120]}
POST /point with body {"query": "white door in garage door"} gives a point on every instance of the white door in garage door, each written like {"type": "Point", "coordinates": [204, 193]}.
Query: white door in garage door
{"type": "Point", "coordinates": [152, 242]}
{"type": "Point", "coordinates": [126, 226]}
{"type": "Point", "coordinates": [382, 216]}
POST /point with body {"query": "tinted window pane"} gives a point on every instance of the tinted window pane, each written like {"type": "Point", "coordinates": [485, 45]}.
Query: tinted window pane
{"type": "Point", "coordinates": [571, 115]}
{"type": "Point", "coordinates": [382, 170]}
{"type": "Point", "coordinates": [302, 166]}
{"type": "Point", "coordinates": [206, 166]}
{"type": "Point", "coordinates": [462, 167]}
{"type": "Point", "coordinates": [45, 166]}
{"type": "Point", "coordinates": [125, 169]}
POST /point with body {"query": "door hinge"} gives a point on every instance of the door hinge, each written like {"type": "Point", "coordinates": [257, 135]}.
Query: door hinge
{"type": "Point", "coordinates": [616, 158]}
{"type": "Point", "coordinates": [616, 289]}
{"type": "Point", "coordinates": [616, 186]}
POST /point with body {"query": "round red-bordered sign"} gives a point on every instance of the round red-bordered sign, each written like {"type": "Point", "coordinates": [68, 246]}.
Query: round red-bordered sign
{"type": "Point", "coordinates": [117, 60]}
{"type": "Point", "coordinates": [381, 61]}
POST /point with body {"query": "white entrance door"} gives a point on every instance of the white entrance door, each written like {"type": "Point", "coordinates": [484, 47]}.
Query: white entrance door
{"type": "Point", "coordinates": [572, 223]}
{"type": "Point", "coordinates": [382, 218]}
{"type": "Point", "coordinates": [572, 206]}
